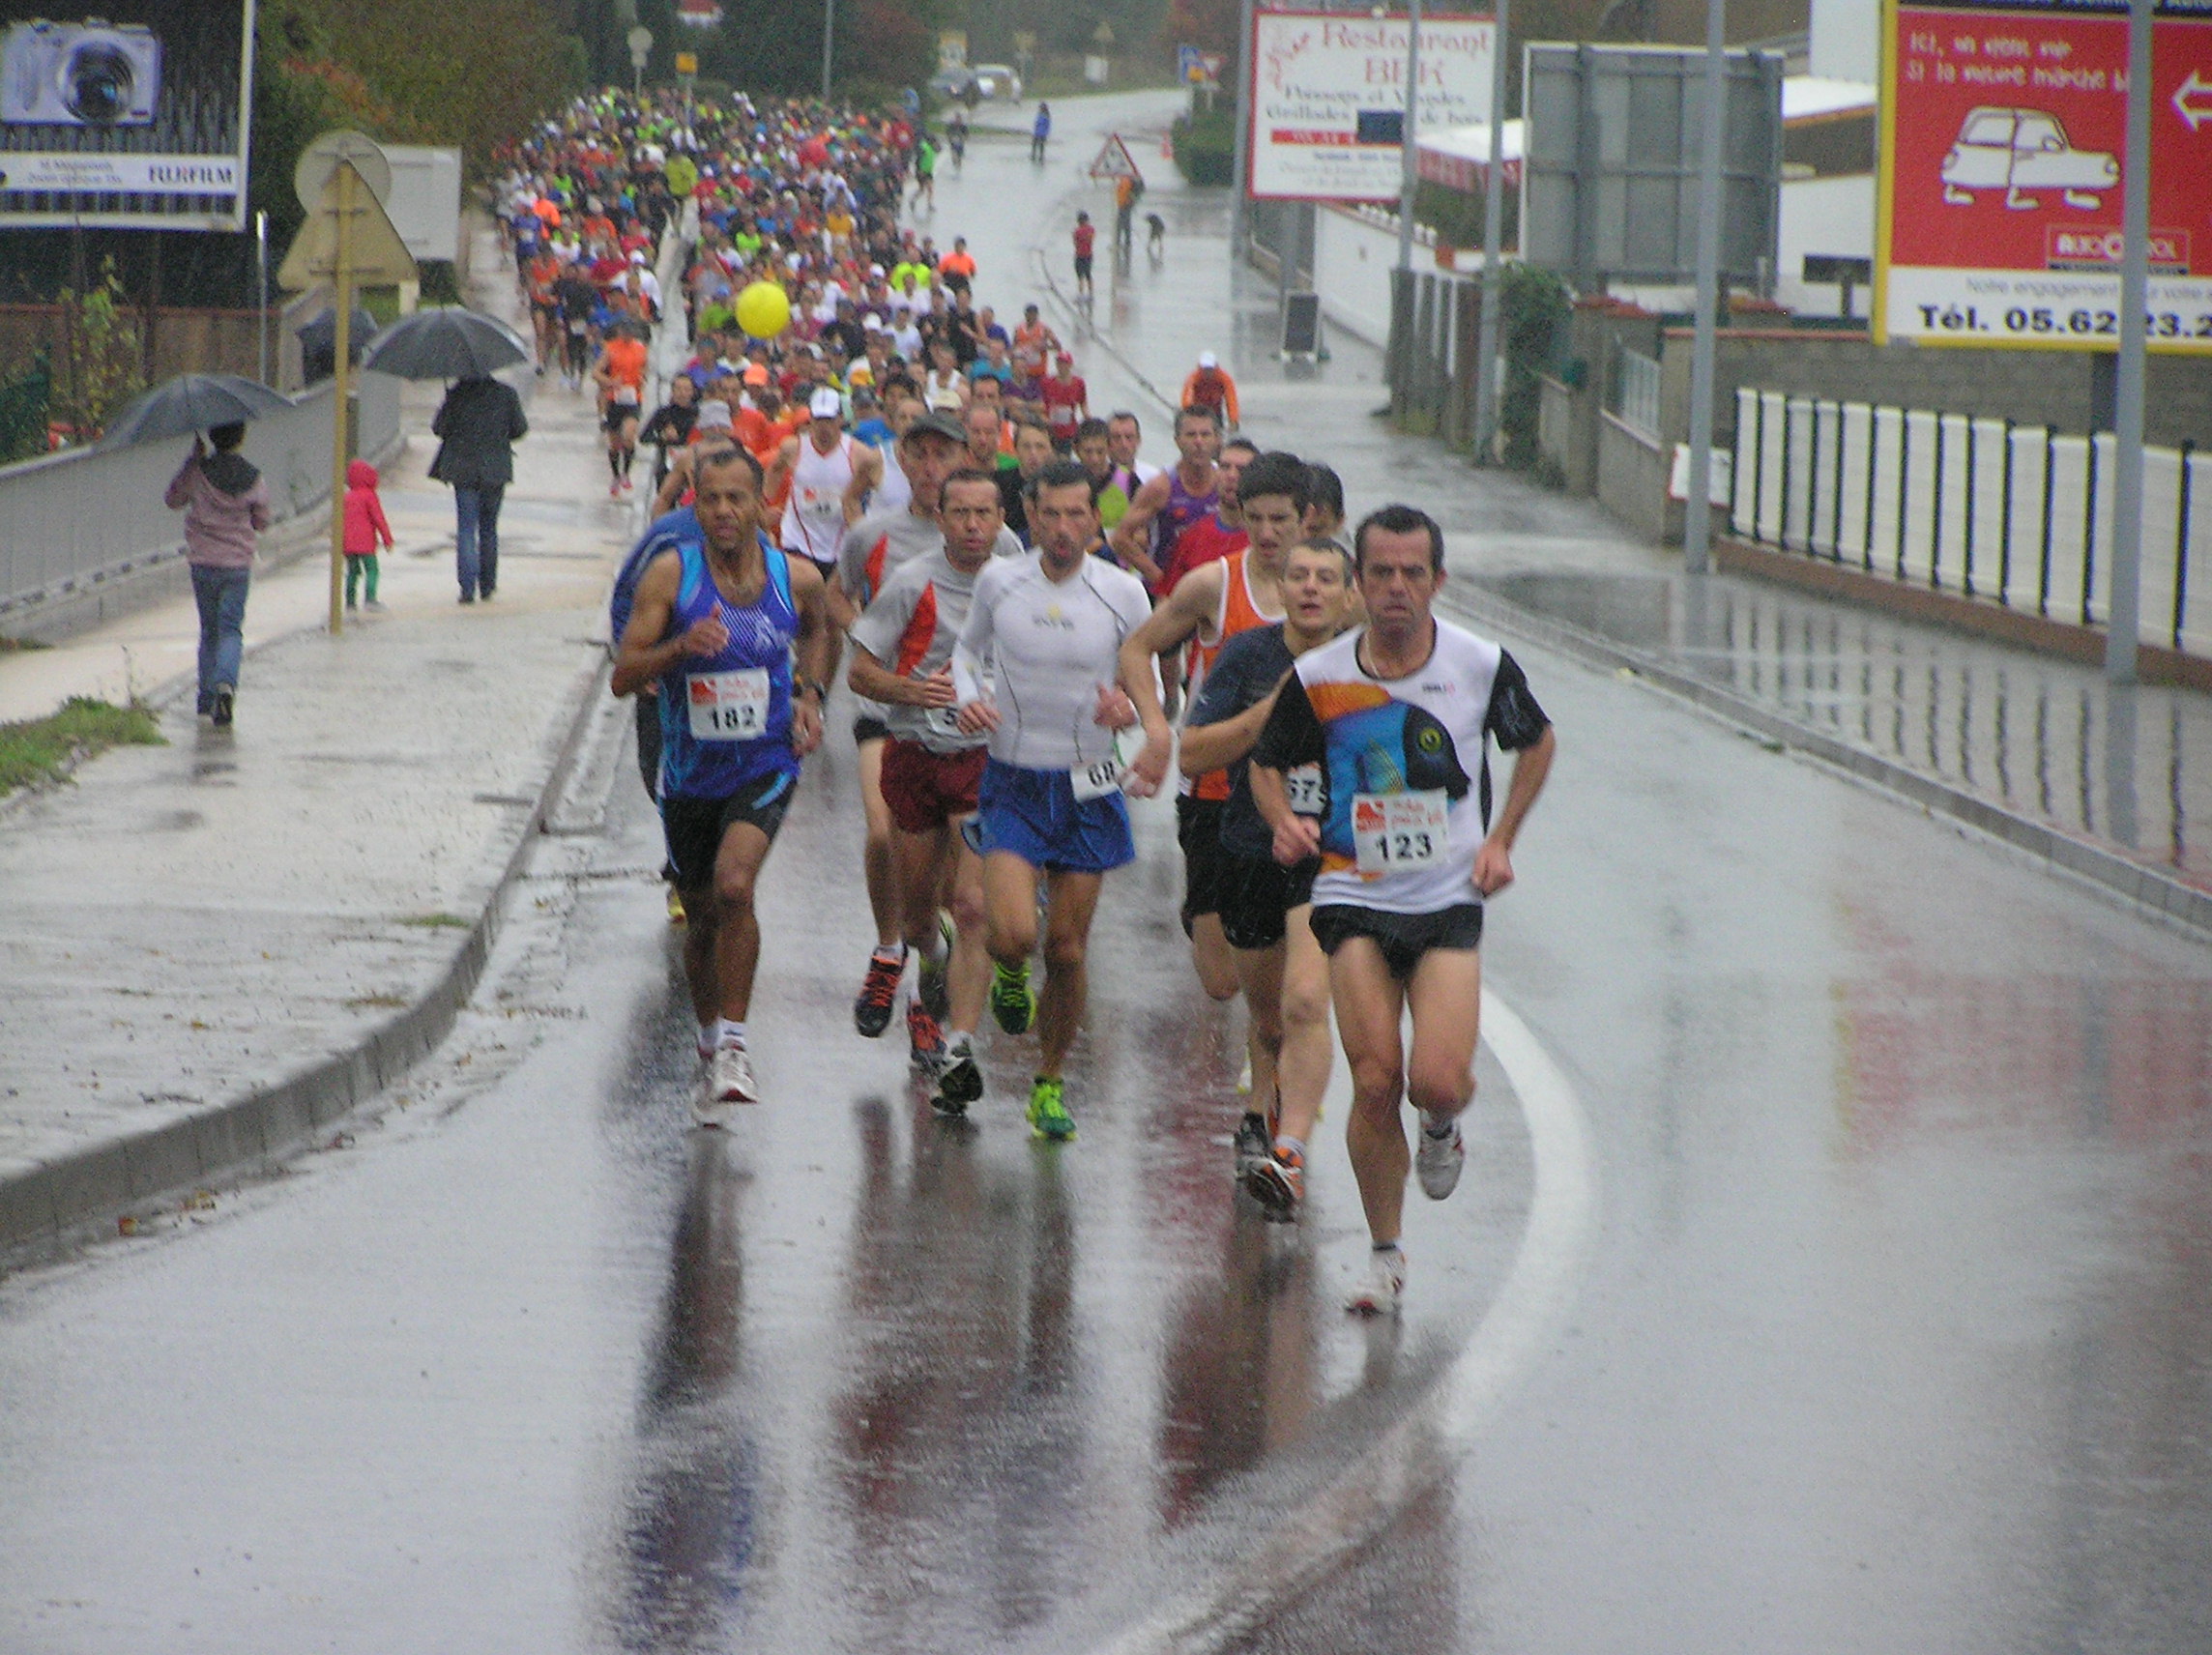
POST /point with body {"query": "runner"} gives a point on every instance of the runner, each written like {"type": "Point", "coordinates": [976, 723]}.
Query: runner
{"type": "Point", "coordinates": [873, 550]}
{"type": "Point", "coordinates": [620, 374]}
{"type": "Point", "coordinates": [1208, 386]}
{"type": "Point", "coordinates": [1086, 238]}
{"type": "Point", "coordinates": [1409, 855]}
{"type": "Point", "coordinates": [1124, 436]}
{"type": "Point", "coordinates": [820, 465]}
{"type": "Point", "coordinates": [877, 485]}
{"type": "Point", "coordinates": [902, 651]}
{"type": "Point", "coordinates": [1173, 500]}
{"type": "Point", "coordinates": [1053, 623]}
{"type": "Point", "coordinates": [1217, 601]}
{"type": "Point", "coordinates": [716, 623]}
{"type": "Point", "coordinates": [1264, 906]}
{"type": "Point", "coordinates": [1067, 403]}
{"type": "Point", "coordinates": [1221, 530]}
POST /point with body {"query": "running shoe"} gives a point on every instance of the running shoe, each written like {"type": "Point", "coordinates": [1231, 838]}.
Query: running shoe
{"type": "Point", "coordinates": [1252, 1143]}
{"type": "Point", "coordinates": [960, 1083]}
{"type": "Point", "coordinates": [1278, 1183]}
{"type": "Point", "coordinates": [727, 1080]}
{"type": "Point", "coordinates": [1049, 1119]}
{"type": "Point", "coordinates": [224, 697]}
{"type": "Point", "coordinates": [1244, 1077]}
{"type": "Point", "coordinates": [929, 974]}
{"type": "Point", "coordinates": [926, 1040]}
{"type": "Point", "coordinates": [879, 992]}
{"type": "Point", "coordinates": [1013, 1003]}
{"type": "Point", "coordinates": [1439, 1161]}
{"type": "Point", "coordinates": [675, 906]}
{"type": "Point", "coordinates": [1384, 1287]}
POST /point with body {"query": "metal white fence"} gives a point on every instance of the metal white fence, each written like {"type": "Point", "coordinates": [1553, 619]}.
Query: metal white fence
{"type": "Point", "coordinates": [1632, 390]}
{"type": "Point", "coordinates": [2016, 515]}
{"type": "Point", "coordinates": [80, 520]}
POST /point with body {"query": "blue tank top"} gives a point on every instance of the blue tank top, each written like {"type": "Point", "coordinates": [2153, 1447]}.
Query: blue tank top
{"type": "Point", "coordinates": [725, 720]}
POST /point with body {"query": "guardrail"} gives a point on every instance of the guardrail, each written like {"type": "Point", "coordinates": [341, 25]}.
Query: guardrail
{"type": "Point", "coordinates": [2018, 516]}
{"type": "Point", "coordinates": [85, 519]}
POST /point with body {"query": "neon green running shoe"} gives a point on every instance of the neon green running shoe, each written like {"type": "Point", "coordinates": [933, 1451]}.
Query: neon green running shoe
{"type": "Point", "coordinates": [1049, 1119]}
{"type": "Point", "coordinates": [1012, 1001]}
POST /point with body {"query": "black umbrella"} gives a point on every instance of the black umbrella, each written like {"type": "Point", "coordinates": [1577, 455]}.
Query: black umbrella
{"type": "Point", "coordinates": [320, 337]}
{"type": "Point", "coordinates": [446, 344]}
{"type": "Point", "coordinates": [189, 403]}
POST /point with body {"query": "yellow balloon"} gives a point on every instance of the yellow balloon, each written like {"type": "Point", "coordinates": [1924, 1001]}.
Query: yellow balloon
{"type": "Point", "coordinates": [762, 312]}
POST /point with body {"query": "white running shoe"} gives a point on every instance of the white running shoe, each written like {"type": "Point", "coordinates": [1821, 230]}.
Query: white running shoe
{"type": "Point", "coordinates": [727, 1080]}
{"type": "Point", "coordinates": [1384, 1287]}
{"type": "Point", "coordinates": [1244, 1077]}
{"type": "Point", "coordinates": [1439, 1161]}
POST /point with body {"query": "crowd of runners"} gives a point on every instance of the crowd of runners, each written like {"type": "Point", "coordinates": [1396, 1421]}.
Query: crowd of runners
{"type": "Point", "coordinates": [894, 489]}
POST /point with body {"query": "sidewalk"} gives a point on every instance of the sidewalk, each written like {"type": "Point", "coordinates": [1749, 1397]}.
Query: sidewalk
{"type": "Point", "coordinates": [215, 946]}
{"type": "Point", "coordinates": [2117, 787]}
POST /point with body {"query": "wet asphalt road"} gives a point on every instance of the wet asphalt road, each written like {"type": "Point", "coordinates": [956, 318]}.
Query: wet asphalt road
{"type": "Point", "coordinates": [1890, 1330]}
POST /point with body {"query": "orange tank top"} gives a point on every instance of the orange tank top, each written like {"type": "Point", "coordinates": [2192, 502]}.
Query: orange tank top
{"type": "Point", "coordinates": [1235, 613]}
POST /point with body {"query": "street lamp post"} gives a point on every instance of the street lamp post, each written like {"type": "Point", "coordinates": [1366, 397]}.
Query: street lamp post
{"type": "Point", "coordinates": [1492, 265]}
{"type": "Point", "coordinates": [828, 43]}
{"type": "Point", "coordinates": [1696, 510]}
{"type": "Point", "coordinates": [1409, 163]}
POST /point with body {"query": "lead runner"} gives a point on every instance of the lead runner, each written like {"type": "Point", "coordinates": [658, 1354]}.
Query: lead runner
{"type": "Point", "coordinates": [1409, 855]}
{"type": "Point", "coordinates": [716, 622]}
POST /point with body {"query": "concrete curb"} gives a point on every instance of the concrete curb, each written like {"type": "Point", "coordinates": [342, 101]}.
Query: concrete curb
{"type": "Point", "coordinates": [43, 1201]}
{"type": "Point", "coordinates": [2146, 891]}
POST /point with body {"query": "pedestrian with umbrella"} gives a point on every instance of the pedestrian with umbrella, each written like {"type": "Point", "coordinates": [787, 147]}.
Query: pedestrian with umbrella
{"type": "Point", "coordinates": [225, 505]}
{"type": "Point", "coordinates": [479, 422]}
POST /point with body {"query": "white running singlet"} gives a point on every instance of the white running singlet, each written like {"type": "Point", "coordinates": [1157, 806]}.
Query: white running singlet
{"type": "Point", "coordinates": [814, 516]}
{"type": "Point", "coordinates": [1054, 644]}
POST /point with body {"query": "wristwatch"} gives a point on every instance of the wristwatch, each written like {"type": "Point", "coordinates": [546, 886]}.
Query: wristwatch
{"type": "Point", "coordinates": [821, 690]}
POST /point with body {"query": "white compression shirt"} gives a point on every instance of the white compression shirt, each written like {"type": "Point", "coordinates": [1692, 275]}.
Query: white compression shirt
{"type": "Point", "coordinates": [1054, 642]}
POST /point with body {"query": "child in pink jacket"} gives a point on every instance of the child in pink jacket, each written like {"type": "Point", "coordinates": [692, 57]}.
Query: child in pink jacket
{"type": "Point", "coordinates": [364, 526]}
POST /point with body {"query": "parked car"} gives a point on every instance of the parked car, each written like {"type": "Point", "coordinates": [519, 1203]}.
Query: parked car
{"type": "Point", "coordinates": [956, 85]}
{"type": "Point", "coordinates": [2022, 150]}
{"type": "Point", "coordinates": [997, 81]}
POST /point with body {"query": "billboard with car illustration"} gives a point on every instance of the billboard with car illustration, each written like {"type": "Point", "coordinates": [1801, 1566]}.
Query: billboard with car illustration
{"type": "Point", "coordinates": [2005, 129]}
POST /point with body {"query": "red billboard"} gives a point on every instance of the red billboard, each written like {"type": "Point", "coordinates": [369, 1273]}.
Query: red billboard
{"type": "Point", "coordinates": [2005, 129]}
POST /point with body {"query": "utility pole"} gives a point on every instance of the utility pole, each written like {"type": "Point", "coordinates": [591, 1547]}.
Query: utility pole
{"type": "Point", "coordinates": [261, 290]}
{"type": "Point", "coordinates": [1696, 510]}
{"type": "Point", "coordinates": [1241, 154]}
{"type": "Point", "coordinates": [2124, 617]}
{"type": "Point", "coordinates": [1409, 172]}
{"type": "Point", "coordinates": [347, 182]}
{"type": "Point", "coordinates": [1493, 264]}
{"type": "Point", "coordinates": [828, 43]}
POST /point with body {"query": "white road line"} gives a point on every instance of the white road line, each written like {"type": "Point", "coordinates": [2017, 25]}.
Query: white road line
{"type": "Point", "coordinates": [1370, 1492]}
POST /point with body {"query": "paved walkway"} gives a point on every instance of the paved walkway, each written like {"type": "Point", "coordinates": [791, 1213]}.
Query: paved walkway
{"type": "Point", "coordinates": [1993, 730]}
{"type": "Point", "coordinates": [213, 946]}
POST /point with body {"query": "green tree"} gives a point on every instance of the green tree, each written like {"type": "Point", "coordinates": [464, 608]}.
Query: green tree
{"type": "Point", "coordinates": [99, 367]}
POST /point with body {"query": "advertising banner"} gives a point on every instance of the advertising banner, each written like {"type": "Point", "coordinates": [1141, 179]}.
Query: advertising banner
{"type": "Point", "coordinates": [2003, 132]}
{"type": "Point", "coordinates": [132, 116]}
{"type": "Point", "coordinates": [1328, 99]}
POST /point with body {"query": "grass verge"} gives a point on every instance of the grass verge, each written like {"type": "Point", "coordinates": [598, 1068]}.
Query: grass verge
{"type": "Point", "coordinates": [46, 749]}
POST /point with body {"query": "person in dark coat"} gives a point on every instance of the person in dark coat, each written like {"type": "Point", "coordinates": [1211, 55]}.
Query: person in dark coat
{"type": "Point", "coordinates": [479, 420]}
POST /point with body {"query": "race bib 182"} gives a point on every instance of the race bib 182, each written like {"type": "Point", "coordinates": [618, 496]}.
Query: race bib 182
{"type": "Point", "coordinates": [730, 705]}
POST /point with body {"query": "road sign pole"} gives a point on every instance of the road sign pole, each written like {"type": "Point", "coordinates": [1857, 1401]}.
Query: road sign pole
{"type": "Point", "coordinates": [828, 43]}
{"type": "Point", "coordinates": [1696, 510]}
{"type": "Point", "coordinates": [1408, 171]}
{"type": "Point", "coordinates": [1492, 265]}
{"type": "Point", "coordinates": [2122, 620]}
{"type": "Point", "coordinates": [341, 283]}
{"type": "Point", "coordinates": [1241, 154]}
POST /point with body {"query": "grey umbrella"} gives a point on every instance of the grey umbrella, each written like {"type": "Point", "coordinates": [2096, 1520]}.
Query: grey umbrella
{"type": "Point", "coordinates": [189, 403]}
{"type": "Point", "coordinates": [445, 344]}
{"type": "Point", "coordinates": [322, 334]}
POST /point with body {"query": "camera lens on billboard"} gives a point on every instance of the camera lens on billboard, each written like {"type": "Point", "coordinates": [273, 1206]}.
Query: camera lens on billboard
{"type": "Point", "coordinates": [98, 82]}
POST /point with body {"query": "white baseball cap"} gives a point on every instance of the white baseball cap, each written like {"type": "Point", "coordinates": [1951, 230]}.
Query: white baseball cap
{"type": "Point", "coordinates": [826, 404]}
{"type": "Point", "coordinates": [1207, 358]}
